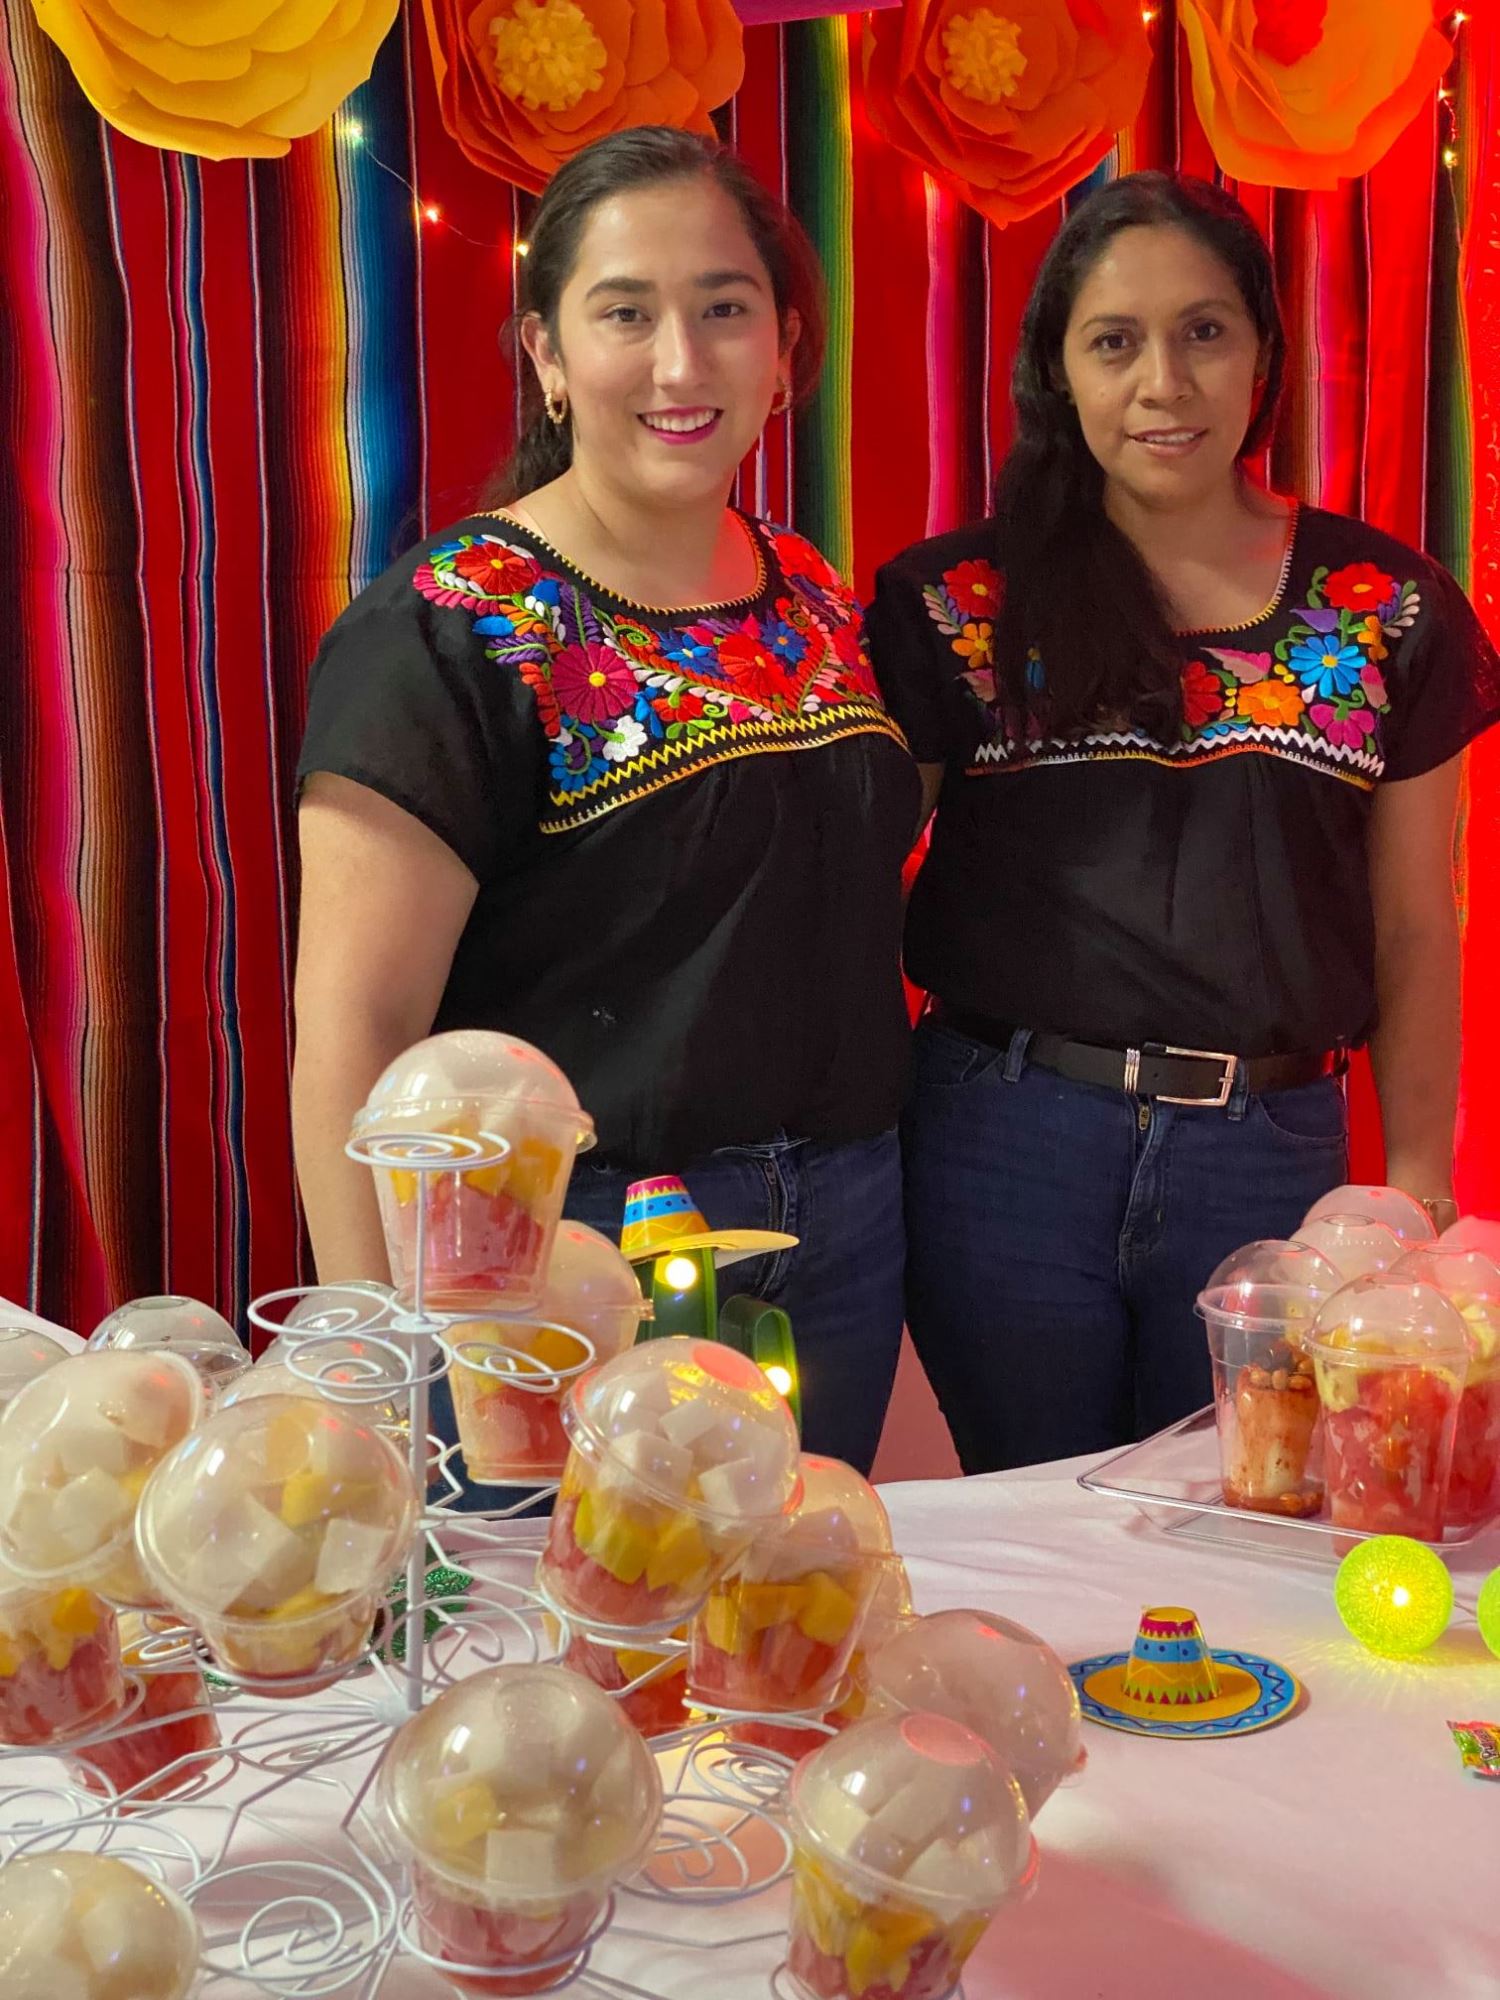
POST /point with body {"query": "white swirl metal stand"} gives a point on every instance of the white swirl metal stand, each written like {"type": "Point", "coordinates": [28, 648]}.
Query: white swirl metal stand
{"type": "Point", "coordinates": [271, 1837]}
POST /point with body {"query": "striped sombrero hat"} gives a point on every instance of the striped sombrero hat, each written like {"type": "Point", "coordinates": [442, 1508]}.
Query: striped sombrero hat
{"type": "Point", "coordinates": [660, 1217]}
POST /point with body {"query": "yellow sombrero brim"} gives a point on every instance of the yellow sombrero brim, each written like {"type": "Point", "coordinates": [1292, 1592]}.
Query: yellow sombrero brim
{"type": "Point", "coordinates": [728, 1245]}
{"type": "Point", "coordinates": [1238, 1691]}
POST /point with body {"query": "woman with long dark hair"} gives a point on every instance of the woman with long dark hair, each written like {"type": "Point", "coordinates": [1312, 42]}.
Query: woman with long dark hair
{"type": "Point", "coordinates": [604, 765]}
{"type": "Point", "coordinates": [1194, 750]}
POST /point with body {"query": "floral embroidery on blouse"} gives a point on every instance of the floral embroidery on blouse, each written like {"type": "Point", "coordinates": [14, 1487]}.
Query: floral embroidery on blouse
{"type": "Point", "coordinates": [1318, 695]}
{"type": "Point", "coordinates": [627, 706]}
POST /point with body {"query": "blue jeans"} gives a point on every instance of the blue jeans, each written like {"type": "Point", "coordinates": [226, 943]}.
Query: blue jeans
{"type": "Point", "coordinates": [1060, 1232]}
{"type": "Point", "coordinates": [841, 1286]}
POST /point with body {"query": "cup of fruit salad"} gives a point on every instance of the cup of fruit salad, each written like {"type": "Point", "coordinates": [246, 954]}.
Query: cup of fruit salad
{"type": "Point", "coordinates": [648, 1682]}
{"type": "Point", "coordinates": [165, 1743]}
{"type": "Point", "coordinates": [1471, 1280]}
{"type": "Point", "coordinates": [60, 1665]}
{"type": "Point", "coordinates": [518, 1799]}
{"type": "Point", "coordinates": [1390, 1357]}
{"type": "Point", "coordinates": [88, 1927]}
{"type": "Point", "coordinates": [510, 1376]}
{"type": "Point", "coordinates": [778, 1631]}
{"type": "Point", "coordinates": [482, 1232]}
{"type": "Point", "coordinates": [181, 1326]}
{"type": "Point", "coordinates": [77, 1446]}
{"type": "Point", "coordinates": [908, 1836]}
{"type": "Point", "coordinates": [274, 1529]}
{"type": "Point", "coordinates": [1256, 1308]}
{"type": "Point", "coordinates": [681, 1452]}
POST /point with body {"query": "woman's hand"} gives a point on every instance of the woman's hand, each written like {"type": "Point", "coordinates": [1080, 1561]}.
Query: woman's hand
{"type": "Point", "coordinates": [384, 903]}
{"type": "Point", "coordinates": [1415, 1048]}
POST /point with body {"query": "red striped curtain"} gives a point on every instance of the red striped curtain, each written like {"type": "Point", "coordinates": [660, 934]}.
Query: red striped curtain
{"type": "Point", "coordinates": [231, 392]}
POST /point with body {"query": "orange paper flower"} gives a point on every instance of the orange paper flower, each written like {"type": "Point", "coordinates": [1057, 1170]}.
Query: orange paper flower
{"type": "Point", "coordinates": [1010, 102]}
{"type": "Point", "coordinates": [1306, 93]}
{"type": "Point", "coordinates": [525, 84]}
{"type": "Point", "coordinates": [231, 80]}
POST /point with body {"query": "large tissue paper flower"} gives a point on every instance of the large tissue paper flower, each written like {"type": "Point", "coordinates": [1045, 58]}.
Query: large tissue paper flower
{"type": "Point", "coordinates": [1009, 102]}
{"type": "Point", "coordinates": [525, 84]}
{"type": "Point", "coordinates": [229, 79]}
{"type": "Point", "coordinates": [1306, 93]}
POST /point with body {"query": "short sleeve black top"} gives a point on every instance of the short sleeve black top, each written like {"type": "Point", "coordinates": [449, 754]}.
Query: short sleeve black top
{"type": "Point", "coordinates": [1212, 891]}
{"type": "Point", "coordinates": [687, 828]}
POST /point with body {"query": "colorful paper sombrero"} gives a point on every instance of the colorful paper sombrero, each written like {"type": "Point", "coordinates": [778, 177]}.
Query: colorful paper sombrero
{"type": "Point", "coordinates": [660, 1217]}
{"type": "Point", "coordinates": [1170, 1684]}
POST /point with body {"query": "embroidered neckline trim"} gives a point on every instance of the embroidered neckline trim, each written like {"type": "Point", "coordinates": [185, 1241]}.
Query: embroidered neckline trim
{"type": "Point", "coordinates": [1294, 522]}
{"type": "Point", "coordinates": [598, 589]}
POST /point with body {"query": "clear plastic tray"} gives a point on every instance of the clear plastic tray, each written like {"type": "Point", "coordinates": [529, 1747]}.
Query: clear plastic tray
{"type": "Point", "coordinates": [1173, 1478]}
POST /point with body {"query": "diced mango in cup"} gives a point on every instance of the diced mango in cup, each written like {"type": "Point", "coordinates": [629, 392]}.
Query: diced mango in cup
{"type": "Point", "coordinates": [828, 1610]}
{"type": "Point", "coordinates": [611, 1537]}
{"type": "Point", "coordinates": [678, 1554]}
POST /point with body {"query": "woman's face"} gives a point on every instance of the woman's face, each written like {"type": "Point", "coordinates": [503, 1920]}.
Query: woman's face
{"type": "Point", "coordinates": [1162, 360]}
{"type": "Point", "coordinates": [668, 348]}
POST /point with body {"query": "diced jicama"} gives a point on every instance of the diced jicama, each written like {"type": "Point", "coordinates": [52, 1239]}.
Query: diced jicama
{"type": "Point", "coordinates": [691, 1420]}
{"type": "Point", "coordinates": [516, 1764]}
{"type": "Point", "coordinates": [522, 1860]}
{"type": "Point", "coordinates": [87, 1513]}
{"type": "Point", "coordinates": [39, 1921]}
{"type": "Point", "coordinates": [641, 1404]}
{"type": "Point", "coordinates": [916, 1811]}
{"type": "Point", "coordinates": [642, 1456]}
{"type": "Point", "coordinates": [252, 1562]}
{"type": "Point", "coordinates": [842, 1821]}
{"type": "Point", "coordinates": [763, 1444]}
{"type": "Point", "coordinates": [351, 1557]}
{"type": "Point", "coordinates": [89, 1442]}
{"type": "Point", "coordinates": [46, 1979]}
{"type": "Point", "coordinates": [737, 1490]}
{"type": "Point", "coordinates": [584, 1746]}
{"type": "Point", "coordinates": [154, 1408]}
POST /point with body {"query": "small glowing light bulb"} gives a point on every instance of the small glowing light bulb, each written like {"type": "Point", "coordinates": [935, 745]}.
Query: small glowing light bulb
{"type": "Point", "coordinates": [433, 212]}
{"type": "Point", "coordinates": [523, 248]}
{"type": "Point", "coordinates": [1450, 157]}
{"type": "Point", "coordinates": [681, 1273]}
{"type": "Point", "coordinates": [353, 131]}
{"type": "Point", "coordinates": [1395, 1595]}
{"type": "Point", "coordinates": [1148, 15]}
{"type": "Point", "coordinates": [779, 1378]}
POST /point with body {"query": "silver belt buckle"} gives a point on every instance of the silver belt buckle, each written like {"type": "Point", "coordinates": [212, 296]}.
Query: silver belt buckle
{"type": "Point", "coordinates": [1226, 1081]}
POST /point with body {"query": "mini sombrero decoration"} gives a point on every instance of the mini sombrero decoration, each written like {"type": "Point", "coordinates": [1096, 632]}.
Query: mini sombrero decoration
{"type": "Point", "coordinates": [660, 1218]}
{"type": "Point", "coordinates": [1170, 1684]}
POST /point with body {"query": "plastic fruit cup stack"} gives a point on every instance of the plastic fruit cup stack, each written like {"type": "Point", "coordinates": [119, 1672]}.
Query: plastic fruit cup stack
{"type": "Point", "coordinates": [778, 1631]}
{"type": "Point", "coordinates": [509, 1408]}
{"type": "Point", "coordinates": [274, 1529]}
{"type": "Point", "coordinates": [908, 1835]}
{"type": "Point", "coordinates": [77, 1446]}
{"type": "Point", "coordinates": [1257, 1307]}
{"type": "Point", "coordinates": [1471, 1282]}
{"type": "Point", "coordinates": [85, 1927]}
{"type": "Point", "coordinates": [1390, 1358]}
{"type": "Point", "coordinates": [166, 1743]}
{"type": "Point", "coordinates": [177, 1326]}
{"type": "Point", "coordinates": [486, 1230]}
{"type": "Point", "coordinates": [999, 1680]}
{"type": "Point", "coordinates": [682, 1453]}
{"type": "Point", "coordinates": [891, 1611]}
{"type": "Point", "coordinates": [60, 1670]}
{"type": "Point", "coordinates": [1391, 1207]}
{"type": "Point", "coordinates": [519, 1799]}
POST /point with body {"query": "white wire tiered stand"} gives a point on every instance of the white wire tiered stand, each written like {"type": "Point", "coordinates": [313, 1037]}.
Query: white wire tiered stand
{"type": "Point", "coordinates": [272, 1837]}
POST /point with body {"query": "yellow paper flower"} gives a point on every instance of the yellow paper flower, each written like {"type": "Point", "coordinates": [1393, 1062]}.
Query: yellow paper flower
{"type": "Point", "coordinates": [230, 79]}
{"type": "Point", "coordinates": [1306, 93]}
{"type": "Point", "coordinates": [525, 84]}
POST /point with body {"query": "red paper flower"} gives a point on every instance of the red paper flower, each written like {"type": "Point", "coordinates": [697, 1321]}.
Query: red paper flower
{"type": "Point", "coordinates": [1010, 102]}
{"type": "Point", "coordinates": [1306, 93]}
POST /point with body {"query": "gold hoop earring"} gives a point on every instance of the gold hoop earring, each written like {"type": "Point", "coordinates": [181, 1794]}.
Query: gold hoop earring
{"type": "Point", "coordinates": [783, 401]}
{"type": "Point", "coordinates": [555, 406]}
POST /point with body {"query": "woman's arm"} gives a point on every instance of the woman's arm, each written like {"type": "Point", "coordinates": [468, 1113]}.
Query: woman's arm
{"type": "Point", "coordinates": [1415, 1048]}
{"type": "Point", "coordinates": [384, 902]}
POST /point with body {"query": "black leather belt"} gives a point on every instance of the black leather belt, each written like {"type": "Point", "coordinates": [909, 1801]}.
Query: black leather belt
{"type": "Point", "coordinates": [1155, 1069]}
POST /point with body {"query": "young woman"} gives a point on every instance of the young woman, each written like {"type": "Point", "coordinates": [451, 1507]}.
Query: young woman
{"type": "Point", "coordinates": [1194, 751]}
{"type": "Point", "coordinates": [607, 768]}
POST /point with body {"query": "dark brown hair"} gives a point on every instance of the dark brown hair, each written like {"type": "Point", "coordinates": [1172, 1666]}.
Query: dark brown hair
{"type": "Point", "coordinates": [1076, 587]}
{"type": "Point", "coordinates": [646, 156]}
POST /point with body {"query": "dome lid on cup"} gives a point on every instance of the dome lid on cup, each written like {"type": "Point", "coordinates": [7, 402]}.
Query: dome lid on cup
{"type": "Point", "coordinates": [998, 1679]}
{"type": "Point", "coordinates": [1469, 1278]}
{"type": "Point", "coordinates": [468, 1076]}
{"type": "Point", "coordinates": [25, 1353]}
{"type": "Point", "coordinates": [178, 1326]}
{"type": "Point", "coordinates": [366, 1376]}
{"type": "Point", "coordinates": [696, 1423]}
{"type": "Point", "coordinates": [1400, 1212]}
{"type": "Point", "coordinates": [835, 1517]}
{"type": "Point", "coordinates": [526, 1782]}
{"type": "Point", "coordinates": [916, 1807]}
{"type": "Point", "coordinates": [1266, 1280]}
{"type": "Point", "coordinates": [1355, 1245]}
{"type": "Point", "coordinates": [89, 1927]}
{"type": "Point", "coordinates": [1385, 1316]}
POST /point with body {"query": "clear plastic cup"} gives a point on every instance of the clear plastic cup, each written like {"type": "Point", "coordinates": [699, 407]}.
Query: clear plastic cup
{"type": "Point", "coordinates": [181, 1326]}
{"type": "Point", "coordinates": [166, 1741]}
{"type": "Point", "coordinates": [362, 1375]}
{"type": "Point", "coordinates": [649, 1684]}
{"type": "Point", "coordinates": [777, 1632]}
{"type": "Point", "coordinates": [77, 1446]}
{"type": "Point", "coordinates": [60, 1666]}
{"type": "Point", "coordinates": [518, 1798]}
{"type": "Point", "coordinates": [996, 1678]}
{"type": "Point", "coordinates": [1472, 1282]}
{"type": "Point", "coordinates": [1257, 1308]}
{"type": "Point", "coordinates": [681, 1453]}
{"type": "Point", "coordinates": [1390, 1358]}
{"type": "Point", "coordinates": [275, 1529]}
{"type": "Point", "coordinates": [1392, 1207]}
{"type": "Point", "coordinates": [25, 1354]}
{"type": "Point", "coordinates": [88, 1927]}
{"type": "Point", "coordinates": [891, 1611]}
{"type": "Point", "coordinates": [1355, 1245]}
{"type": "Point", "coordinates": [509, 1409]}
{"type": "Point", "coordinates": [909, 1835]}
{"type": "Point", "coordinates": [486, 1230]}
